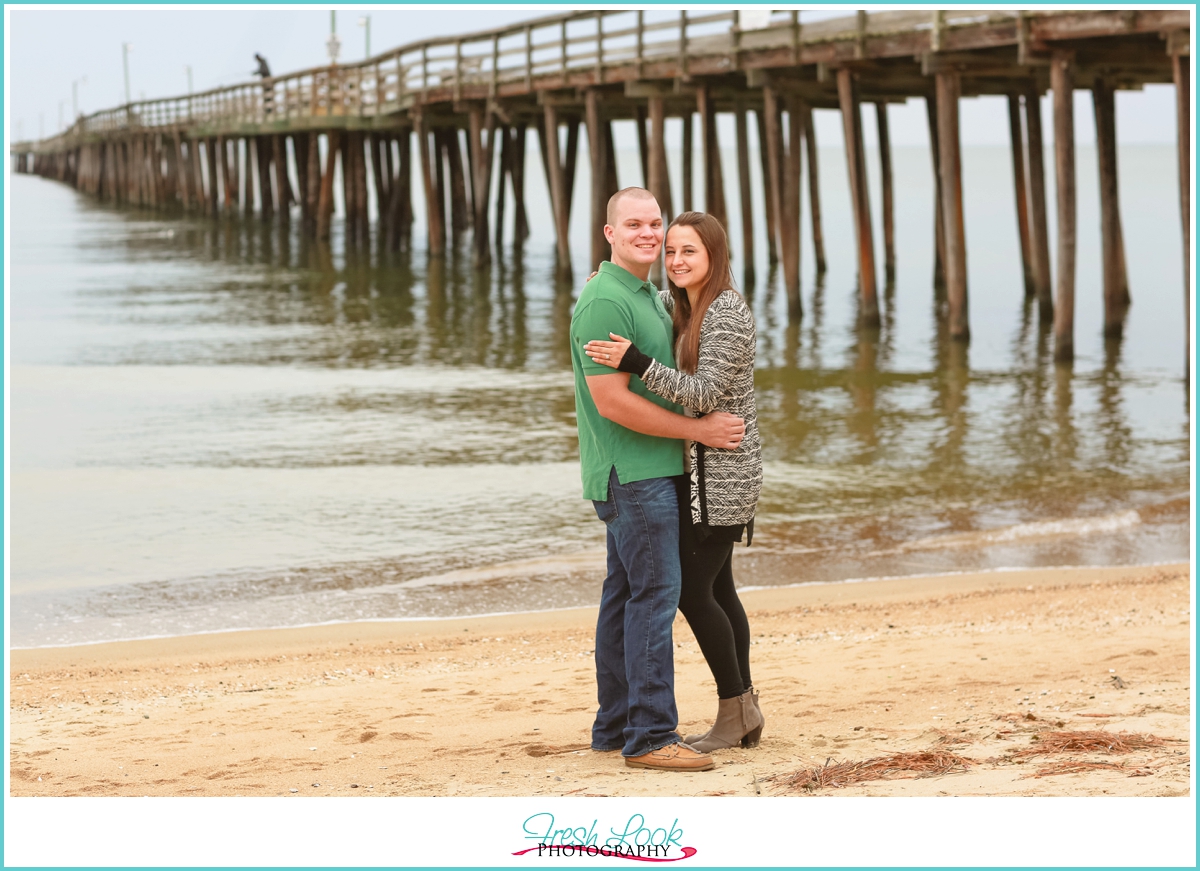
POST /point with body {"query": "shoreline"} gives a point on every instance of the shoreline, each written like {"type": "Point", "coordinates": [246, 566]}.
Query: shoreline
{"type": "Point", "coordinates": [742, 591]}
{"type": "Point", "coordinates": [975, 664]}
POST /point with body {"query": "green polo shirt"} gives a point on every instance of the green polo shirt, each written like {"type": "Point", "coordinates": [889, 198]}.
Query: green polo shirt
{"type": "Point", "coordinates": [616, 301]}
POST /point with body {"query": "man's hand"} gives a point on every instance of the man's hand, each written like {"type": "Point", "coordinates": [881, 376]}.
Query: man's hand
{"type": "Point", "coordinates": [720, 430]}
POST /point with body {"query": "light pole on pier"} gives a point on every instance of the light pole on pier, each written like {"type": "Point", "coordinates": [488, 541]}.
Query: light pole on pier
{"type": "Point", "coordinates": [365, 23]}
{"type": "Point", "coordinates": [126, 48]}
{"type": "Point", "coordinates": [334, 44]}
{"type": "Point", "coordinates": [75, 96]}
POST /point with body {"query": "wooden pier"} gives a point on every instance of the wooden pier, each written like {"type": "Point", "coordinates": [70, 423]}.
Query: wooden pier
{"type": "Point", "coordinates": [257, 147]}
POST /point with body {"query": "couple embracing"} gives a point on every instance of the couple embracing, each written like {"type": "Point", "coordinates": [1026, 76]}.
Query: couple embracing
{"type": "Point", "coordinates": [670, 456]}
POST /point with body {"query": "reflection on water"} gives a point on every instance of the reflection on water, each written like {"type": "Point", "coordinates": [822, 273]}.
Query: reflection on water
{"type": "Point", "coordinates": [357, 309]}
{"type": "Point", "coordinates": [221, 425]}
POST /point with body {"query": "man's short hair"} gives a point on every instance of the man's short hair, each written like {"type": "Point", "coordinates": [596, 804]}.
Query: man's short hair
{"type": "Point", "coordinates": [610, 216]}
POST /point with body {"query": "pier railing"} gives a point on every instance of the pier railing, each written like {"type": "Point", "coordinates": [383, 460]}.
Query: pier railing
{"type": "Point", "coordinates": [540, 52]}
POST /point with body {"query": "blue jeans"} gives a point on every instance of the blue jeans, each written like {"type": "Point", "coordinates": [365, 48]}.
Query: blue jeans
{"type": "Point", "coordinates": [635, 663]}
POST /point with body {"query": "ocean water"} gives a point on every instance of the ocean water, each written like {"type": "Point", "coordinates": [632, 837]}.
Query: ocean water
{"type": "Point", "coordinates": [219, 425]}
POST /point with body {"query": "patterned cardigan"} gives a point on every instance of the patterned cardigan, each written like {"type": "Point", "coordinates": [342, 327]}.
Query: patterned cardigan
{"type": "Point", "coordinates": [725, 483]}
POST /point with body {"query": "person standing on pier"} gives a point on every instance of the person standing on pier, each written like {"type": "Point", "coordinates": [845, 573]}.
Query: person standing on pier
{"type": "Point", "coordinates": [264, 72]}
{"type": "Point", "coordinates": [630, 455]}
{"type": "Point", "coordinates": [715, 343]}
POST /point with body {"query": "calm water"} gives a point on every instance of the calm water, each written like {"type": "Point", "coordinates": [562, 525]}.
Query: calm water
{"type": "Point", "coordinates": [216, 425]}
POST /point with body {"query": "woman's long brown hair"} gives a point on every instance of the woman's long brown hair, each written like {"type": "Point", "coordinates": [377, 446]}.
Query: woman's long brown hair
{"type": "Point", "coordinates": [720, 277]}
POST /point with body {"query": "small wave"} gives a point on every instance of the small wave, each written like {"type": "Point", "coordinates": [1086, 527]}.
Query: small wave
{"type": "Point", "coordinates": [589, 560]}
{"type": "Point", "coordinates": [1066, 526]}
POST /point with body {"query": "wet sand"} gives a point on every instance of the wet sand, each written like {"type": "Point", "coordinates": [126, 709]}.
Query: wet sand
{"type": "Point", "coordinates": [983, 666]}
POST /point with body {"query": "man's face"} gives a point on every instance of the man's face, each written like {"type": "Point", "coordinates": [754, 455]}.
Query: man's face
{"type": "Point", "coordinates": [637, 235]}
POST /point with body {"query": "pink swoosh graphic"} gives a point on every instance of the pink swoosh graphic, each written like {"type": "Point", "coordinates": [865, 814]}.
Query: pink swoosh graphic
{"type": "Point", "coordinates": [688, 852]}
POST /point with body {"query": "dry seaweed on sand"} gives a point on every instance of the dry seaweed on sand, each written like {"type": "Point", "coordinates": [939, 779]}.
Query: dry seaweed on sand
{"type": "Point", "coordinates": [1076, 766]}
{"type": "Point", "coordinates": [897, 766]}
{"type": "Point", "coordinates": [1098, 741]}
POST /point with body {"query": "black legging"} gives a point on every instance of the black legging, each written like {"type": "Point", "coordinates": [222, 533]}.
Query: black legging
{"type": "Point", "coordinates": [711, 606]}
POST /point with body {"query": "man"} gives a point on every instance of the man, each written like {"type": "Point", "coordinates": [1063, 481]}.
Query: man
{"type": "Point", "coordinates": [630, 449]}
{"type": "Point", "coordinates": [264, 72]}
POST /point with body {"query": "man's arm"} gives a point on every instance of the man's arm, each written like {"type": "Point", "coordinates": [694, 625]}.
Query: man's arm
{"type": "Point", "coordinates": [616, 402]}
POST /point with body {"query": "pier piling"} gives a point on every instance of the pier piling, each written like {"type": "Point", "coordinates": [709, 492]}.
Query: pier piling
{"type": "Point", "coordinates": [1039, 234]}
{"type": "Point", "coordinates": [773, 172]}
{"type": "Point", "coordinates": [501, 187]}
{"type": "Point", "coordinates": [266, 198]}
{"type": "Point", "coordinates": [1020, 188]}
{"type": "Point", "coordinates": [351, 155]}
{"type": "Point", "coordinates": [610, 152]}
{"type": "Point", "coordinates": [481, 152]}
{"type": "Point", "coordinates": [210, 153]}
{"type": "Point", "coordinates": [955, 244]}
{"type": "Point", "coordinates": [520, 216]}
{"type": "Point", "coordinates": [443, 184]}
{"type": "Point", "coordinates": [639, 120]}
{"type": "Point", "coordinates": [556, 174]}
{"type": "Point", "coordinates": [571, 160]}
{"type": "Point", "coordinates": [856, 164]}
{"type": "Point", "coordinates": [660, 183]}
{"type": "Point", "coordinates": [743, 161]}
{"type": "Point", "coordinates": [814, 190]}
{"type": "Point", "coordinates": [688, 155]}
{"type": "Point", "coordinates": [1116, 293]}
{"type": "Point", "coordinates": [714, 186]}
{"type": "Point", "coordinates": [789, 246]}
{"type": "Point", "coordinates": [770, 210]}
{"type": "Point", "coordinates": [325, 198]}
{"type": "Point", "coordinates": [248, 159]}
{"type": "Point", "coordinates": [1181, 71]}
{"type": "Point", "coordinates": [1061, 82]}
{"type": "Point", "coordinates": [360, 190]}
{"type": "Point", "coordinates": [939, 218]}
{"type": "Point", "coordinates": [460, 210]}
{"type": "Point", "coordinates": [301, 144]}
{"type": "Point", "coordinates": [427, 153]}
{"type": "Point", "coordinates": [885, 173]}
{"type": "Point", "coordinates": [597, 147]}
{"type": "Point", "coordinates": [228, 172]}
{"type": "Point", "coordinates": [312, 191]}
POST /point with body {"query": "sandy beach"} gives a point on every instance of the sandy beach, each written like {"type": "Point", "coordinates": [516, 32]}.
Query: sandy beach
{"type": "Point", "coordinates": [990, 667]}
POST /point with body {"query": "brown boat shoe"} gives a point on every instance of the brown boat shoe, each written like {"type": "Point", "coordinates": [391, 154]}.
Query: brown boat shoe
{"type": "Point", "coordinates": [673, 757]}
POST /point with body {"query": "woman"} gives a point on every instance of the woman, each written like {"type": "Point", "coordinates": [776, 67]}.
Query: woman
{"type": "Point", "coordinates": [714, 347]}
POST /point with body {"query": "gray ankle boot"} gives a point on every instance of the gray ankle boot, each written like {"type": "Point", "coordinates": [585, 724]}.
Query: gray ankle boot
{"type": "Point", "coordinates": [738, 720]}
{"type": "Point", "coordinates": [752, 738]}
{"type": "Point", "coordinates": [692, 739]}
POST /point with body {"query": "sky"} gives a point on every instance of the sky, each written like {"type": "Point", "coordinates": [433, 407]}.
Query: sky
{"type": "Point", "coordinates": [49, 49]}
